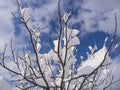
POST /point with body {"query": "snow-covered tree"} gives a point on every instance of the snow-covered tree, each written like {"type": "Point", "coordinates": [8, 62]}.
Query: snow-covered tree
{"type": "Point", "coordinates": [38, 73]}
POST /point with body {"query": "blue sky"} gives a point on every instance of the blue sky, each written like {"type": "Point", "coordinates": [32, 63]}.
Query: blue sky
{"type": "Point", "coordinates": [94, 19]}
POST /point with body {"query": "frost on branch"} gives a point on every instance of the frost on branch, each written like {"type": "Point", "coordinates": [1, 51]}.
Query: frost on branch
{"type": "Point", "coordinates": [36, 37]}
{"type": "Point", "coordinates": [66, 16]}
{"type": "Point", "coordinates": [27, 58]}
{"type": "Point", "coordinates": [25, 14]}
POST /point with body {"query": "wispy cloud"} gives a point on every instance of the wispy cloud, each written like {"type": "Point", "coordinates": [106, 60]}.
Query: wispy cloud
{"type": "Point", "coordinates": [98, 15]}
{"type": "Point", "coordinates": [6, 25]}
{"type": "Point", "coordinates": [43, 14]}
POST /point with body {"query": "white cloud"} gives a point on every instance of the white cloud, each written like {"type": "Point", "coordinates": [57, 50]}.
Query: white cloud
{"type": "Point", "coordinates": [7, 30]}
{"type": "Point", "coordinates": [44, 14]}
{"type": "Point", "coordinates": [101, 5]}
{"type": "Point", "coordinates": [98, 15]}
{"type": "Point", "coordinates": [108, 25]}
{"type": "Point", "coordinates": [6, 25]}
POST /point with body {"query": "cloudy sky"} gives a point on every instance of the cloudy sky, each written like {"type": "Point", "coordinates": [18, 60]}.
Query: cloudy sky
{"type": "Point", "coordinates": [94, 19]}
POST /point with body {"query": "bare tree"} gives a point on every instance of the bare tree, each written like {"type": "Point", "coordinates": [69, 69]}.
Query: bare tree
{"type": "Point", "coordinates": [33, 73]}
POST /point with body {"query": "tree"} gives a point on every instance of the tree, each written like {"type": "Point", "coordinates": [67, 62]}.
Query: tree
{"type": "Point", "coordinates": [37, 72]}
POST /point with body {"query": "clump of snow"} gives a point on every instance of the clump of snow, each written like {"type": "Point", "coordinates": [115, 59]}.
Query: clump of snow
{"type": "Point", "coordinates": [71, 36]}
{"type": "Point", "coordinates": [90, 47]}
{"type": "Point", "coordinates": [37, 34]}
{"type": "Point", "coordinates": [89, 65]}
{"type": "Point", "coordinates": [38, 46]}
{"type": "Point", "coordinates": [56, 45]}
{"type": "Point", "coordinates": [27, 58]}
{"type": "Point", "coordinates": [106, 39]}
{"type": "Point", "coordinates": [66, 17]}
{"type": "Point", "coordinates": [58, 81]}
{"type": "Point", "coordinates": [25, 14]}
{"type": "Point", "coordinates": [117, 45]}
{"type": "Point", "coordinates": [70, 32]}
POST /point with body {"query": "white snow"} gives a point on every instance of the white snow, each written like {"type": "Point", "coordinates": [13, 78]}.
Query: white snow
{"type": "Point", "coordinates": [71, 32]}
{"type": "Point", "coordinates": [37, 34]}
{"type": "Point", "coordinates": [66, 17]}
{"type": "Point", "coordinates": [57, 81]}
{"type": "Point", "coordinates": [106, 39]}
{"type": "Point", "coordinates": [117, 45]}
{"type": "Point", "coordinates": [89, 65]}
{"type": "Point", "coordinates": [38, 46]}
{"type": "Point", "coordinates": [56, 44]}
{"type": "Point", "coordinates": [27, 58]}
{"type": "Point", "coordinates": [71, 37]}
{"type": "Point", "coordinates": [90, 47]}
{"type": "Point", "coordinates": [25, 14]}
{"type": "Point", "coordinates": [73, 42]}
